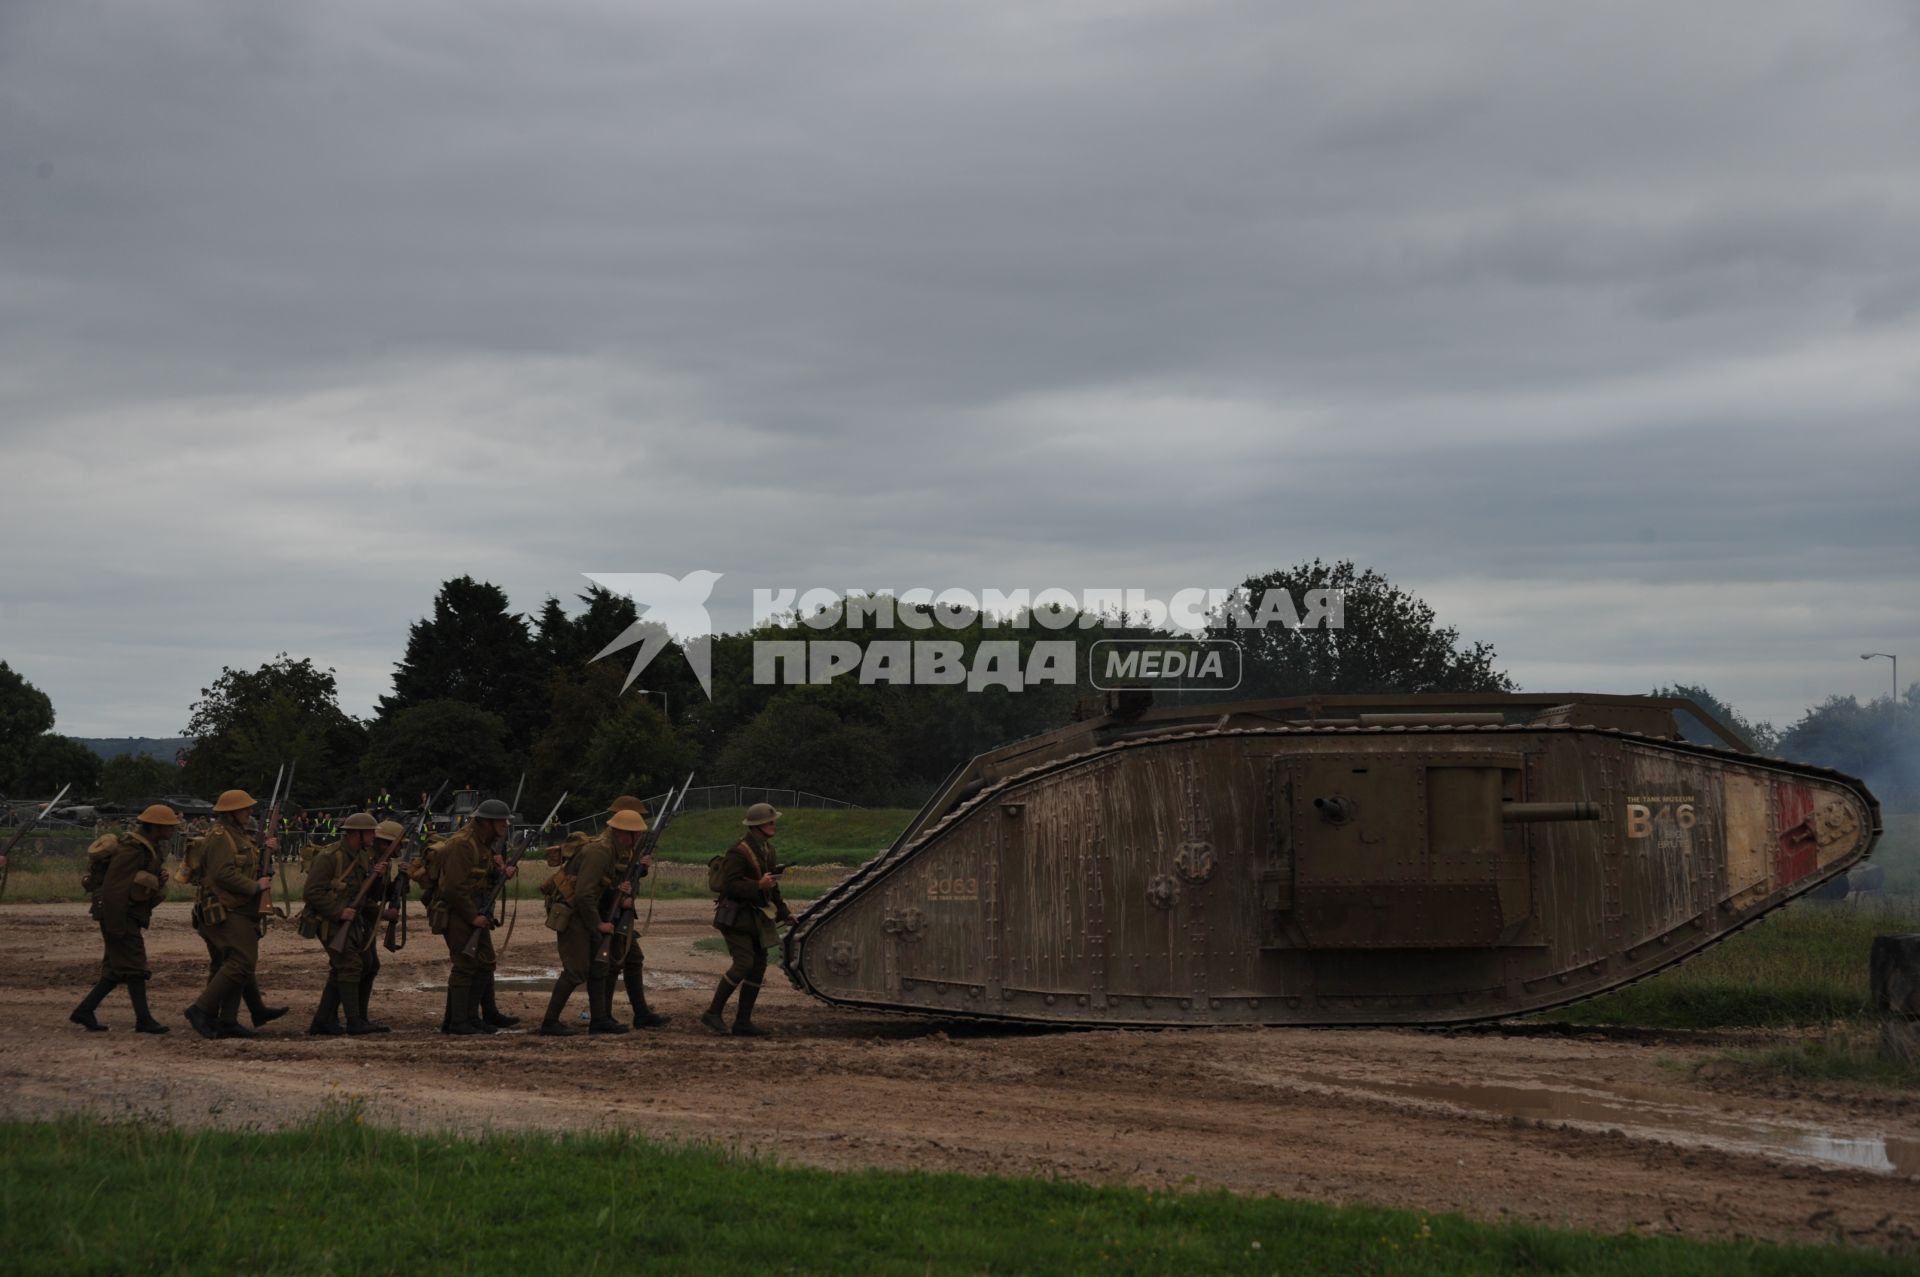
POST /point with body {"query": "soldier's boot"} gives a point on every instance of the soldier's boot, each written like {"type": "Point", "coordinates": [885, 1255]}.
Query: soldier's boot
{"type": "Point", "coordinates": [365, 990]}
{"type": "Point", "coordinates": [460, 1021]}
{"type": "Point", "coordinates": [205, 1021]}
{"type": "Point", "coordinates": [143, 1021]}
{"type": "Point", "coordinates": [743, 1025]}
{"type": "Point", "coordinates": [257, 1007]}
{"type": "Point", "coordinates": [490, 1010]}
{"type": "Point", "coordinates": [644, 1016]}
{"type": "Point", "coordinates": [326, 1016]}
{"type": "Point", "coordinates": [230, 1026]}
{"type": "Point", "coordinates": [82, 1015]}
{"type": "Point", "coordinates": [446, 1015]}
{"type": "Point", "coordinates": [712, 1017]}
{"type": "Point", "coordinates": [600, 1002]}
{"type": "Point", "coordinates": [551, 1025]}
{"type": "Point", "coordinates": [357, 1023]}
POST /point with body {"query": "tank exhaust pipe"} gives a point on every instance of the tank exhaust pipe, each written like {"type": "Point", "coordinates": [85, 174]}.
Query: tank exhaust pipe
{"type": "Point", "coordinates": [1535, 813]}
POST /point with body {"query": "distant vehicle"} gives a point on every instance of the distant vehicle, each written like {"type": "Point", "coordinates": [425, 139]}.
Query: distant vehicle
{"type": "Point", "coordinates": [1332, 860]}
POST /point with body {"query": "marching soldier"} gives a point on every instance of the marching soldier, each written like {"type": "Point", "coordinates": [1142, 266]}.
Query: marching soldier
{"type": "Point", "coordinates": [632, 962]}
{"type": "Point", "coordinates": [127, 878]}
{"type": "Point", "coordinates": [580, 901]}
{"type": "Point", "coordinates": [333, 882]}
{"type": "Point", "coordinates": [746, 913]}
{"type": "Point", "coordinates": [234, 875]}
{"type": "Point", "coordinates": [459, 872]}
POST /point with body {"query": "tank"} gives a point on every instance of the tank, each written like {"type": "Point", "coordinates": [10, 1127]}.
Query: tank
{"type": "Point", "coordinates": [1357, 860]}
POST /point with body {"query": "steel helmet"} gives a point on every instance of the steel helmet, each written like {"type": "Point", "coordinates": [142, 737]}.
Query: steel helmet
{"type": "Point", "coordinates": [389, 831]}
{"type": "Point", "coordinates": [359, 820]}
{"type": "Point", "coordinates": [627, 802]}
{"type": "Point", "coordinates": [761, 814]}
{"type": "Point", "coordinates": [493, 809]}
{"type": "Point", "coordinates": [159, 814]}
{"type": "Point", "coordinates": [235, 800]}
{"type": "Point", "coordinates": [628, 821]}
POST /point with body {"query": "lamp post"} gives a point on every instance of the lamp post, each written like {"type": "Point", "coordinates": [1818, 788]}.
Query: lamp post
{"type": "Point", "coordinates": [1894, 665]}
{"type": "Point", "coordinates": [648, 691]}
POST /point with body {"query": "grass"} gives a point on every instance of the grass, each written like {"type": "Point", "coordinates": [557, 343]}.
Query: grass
{"type": "Point", "coordinates": [807, 836]}
{"type": "Point", "coordinates": [1846, 1054]}
{"type": "Point", "coordinates": [1803, 965]}
{"type": "Point", "coordinates": [337, 1195]}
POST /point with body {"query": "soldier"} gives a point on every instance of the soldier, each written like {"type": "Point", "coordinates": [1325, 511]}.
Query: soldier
{"type": "Point", "coordinates": [128, 878]}
{"type": "Point", "coordinates": [631, 961]}
{"type": "Point", "coordinates": [579, 904]}
{"type": "Point", "coordinates": [333, 881]}
{"type": "Point", "coordinates": [746, 913]}
{"type": "Point", "coordinates": [233, 876]}
{"type": "Point", "coordinates": [459, 873]}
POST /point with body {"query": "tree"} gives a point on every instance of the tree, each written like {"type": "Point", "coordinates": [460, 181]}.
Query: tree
{"type": "Point", "coordinates": [25, 714]}
{"type": "Point", "coordinates": [420, 746]}
{"type": "Point", "coordinates": [1761, 735]}
{"type": "Point", "coordinates": [1389, 642]}
{"type": "Point", "coordinates": [249, 722]}
{"type": "Point", "coordinates": [133, 778]}
{"type": "Point", "coordinates": [473, 649]}
{"type": "Point", "coordinates": [633, 751]}
{"type": "Point", "coordinates": [800, 741]}
{"type": "Point", "coordinates": [1878, 742]}
{"type": "Point", "coordinates": [51, 760]}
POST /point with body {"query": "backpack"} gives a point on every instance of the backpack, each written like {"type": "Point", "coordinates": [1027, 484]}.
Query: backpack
{"type": "Point", "coordinates": [193, 861]}
{"type": "Point", "coordinates": [99, 853]}
{"type": "Point", "coordinates": [716, 881]}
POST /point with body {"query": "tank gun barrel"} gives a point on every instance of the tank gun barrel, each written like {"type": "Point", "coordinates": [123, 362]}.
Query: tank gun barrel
{"type": "Point", "coordinates": [1538, 813]}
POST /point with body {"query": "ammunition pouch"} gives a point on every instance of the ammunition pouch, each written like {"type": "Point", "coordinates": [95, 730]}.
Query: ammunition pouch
{"type": "Point", "coordinates": [559, 915]}
{"type": "Point", "coordinates": [309, 925]}
{"type": "Point", "coordinates": [437, 914]}
{"type": "Point", "coordinates": [98, 909]}
{"type": "Point", "coordinates": [212, 913]}
{"type": "Point", "coordinates": [727, 915]}
{"type": "Point", "coordinates": [146, 886]}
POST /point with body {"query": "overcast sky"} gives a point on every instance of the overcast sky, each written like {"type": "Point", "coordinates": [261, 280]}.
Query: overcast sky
{"type": "Point", "coordinates": [1598, 326]}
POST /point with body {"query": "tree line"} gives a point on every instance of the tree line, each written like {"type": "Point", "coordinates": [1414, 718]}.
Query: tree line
{"type": "Point", "coordinates": [482, 694]}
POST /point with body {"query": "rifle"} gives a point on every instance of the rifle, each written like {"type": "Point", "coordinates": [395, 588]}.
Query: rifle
{"type": "Point", "coordinates": [375, 873]}
{"type": "Point", "coordinates": [405, 883]}
{"type": "Point", "coordinates": [500, 879]}
{"type": "Point", "coordinates": [642, 847]}
{"type": "Point", "coordinates": [266, 865]}
{"type": "Point", "coordinates": [6, 856]}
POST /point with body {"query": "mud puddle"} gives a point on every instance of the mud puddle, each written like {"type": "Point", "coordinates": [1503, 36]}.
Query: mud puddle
{"type": "Point", "coordinates": [1648, 1113]}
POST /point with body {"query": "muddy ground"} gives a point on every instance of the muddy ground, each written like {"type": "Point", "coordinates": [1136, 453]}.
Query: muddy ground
{"type": "Point", "coordinates": [1612, 1132]}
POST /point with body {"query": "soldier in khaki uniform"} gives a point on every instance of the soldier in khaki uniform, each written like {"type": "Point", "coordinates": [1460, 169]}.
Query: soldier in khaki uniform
{"type": "Point", "coordinates": [580, 904]}
{"type": "Point", "coordinates": [459, 872]}
{"type": "Point", "coordinates": [746, 913]}
{"type": "Point", "coordinates": [333, 881]}
{"type": "Point", "coordinates": [127, 879]}
{"type": "Point", "coordinates": [234, 875]}
{"type": "Point", "coordinates": [628, 957]}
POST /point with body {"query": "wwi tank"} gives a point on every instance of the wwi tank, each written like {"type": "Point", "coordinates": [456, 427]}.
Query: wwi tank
{"type": "Point", "coordinates": [1334, 860]}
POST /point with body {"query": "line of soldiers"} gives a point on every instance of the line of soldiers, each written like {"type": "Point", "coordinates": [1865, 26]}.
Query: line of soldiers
{"type": "Point", "coordinates": [361, 880]}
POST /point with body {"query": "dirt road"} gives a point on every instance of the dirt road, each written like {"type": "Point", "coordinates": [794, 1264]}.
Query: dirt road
{"type": "Point", "coordinates": [1591, 1131]}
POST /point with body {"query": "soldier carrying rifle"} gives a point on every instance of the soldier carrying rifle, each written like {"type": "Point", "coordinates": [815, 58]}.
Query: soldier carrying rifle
{"type": "Point", "coordinates": [127, 877]}
{"type": "Point", "coordinates": [746, 912]}
{"type": "Point", "coordinates": [347, 885]}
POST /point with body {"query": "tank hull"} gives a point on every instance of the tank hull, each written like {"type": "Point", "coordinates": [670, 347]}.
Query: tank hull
{"type": "Point", "coordinates": [1328, 876]}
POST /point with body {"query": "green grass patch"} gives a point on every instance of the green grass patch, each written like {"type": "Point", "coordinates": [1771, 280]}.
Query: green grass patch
{"type": "Point", "coordinates": [711, 944]}
{"type": "Point", "coordinates": [1805, 964]}
{"type": "Point", "coordinates": [340, 1196]}
{"type": "Point", "coordinates": [807, 836]}
{"type": "Point", "coordinates": [1845, 1055]}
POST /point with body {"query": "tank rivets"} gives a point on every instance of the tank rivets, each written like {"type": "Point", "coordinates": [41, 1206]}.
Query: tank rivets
{"type": "Point", "coordinates": [843, 958]}
{"type": "Point", "coordinates": [1050, 999]}
{"type": "Point", "coordinates": [1186, 1004]}
{"type": "Point", "coordinates": [1163, 892]}
{"type": "Point", "coordinates": [1216, 1004]}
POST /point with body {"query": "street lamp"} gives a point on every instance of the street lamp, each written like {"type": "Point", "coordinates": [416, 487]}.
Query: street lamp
{"type": "Point", "coordinates": [1894, 664]}
{"type": "Point", "coordinates": [648, 691]}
